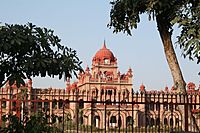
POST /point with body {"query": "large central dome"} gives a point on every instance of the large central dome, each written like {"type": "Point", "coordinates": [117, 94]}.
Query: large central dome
{"type": "Point", "coordinates": [104, 54]}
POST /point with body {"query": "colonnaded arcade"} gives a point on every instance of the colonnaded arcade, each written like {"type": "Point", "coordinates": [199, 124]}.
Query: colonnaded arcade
{"type": "Point", "coordinates": [104, 97]}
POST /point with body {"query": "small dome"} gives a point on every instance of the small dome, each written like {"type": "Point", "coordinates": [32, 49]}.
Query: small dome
{"type": "Point", "coordinates": [191, 86]}
{"type": "Point", "coordinates": [103, 54]}
{"type": "Point", "coordinates": [142, 88]}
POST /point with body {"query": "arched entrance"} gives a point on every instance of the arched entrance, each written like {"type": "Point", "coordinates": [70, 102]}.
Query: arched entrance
{"type": "Point", "coordinates": [96, 121]}
{"type": "Point", "coordinates": [171, 122]}
{"type": "Point", "coordinates": [113, 121]}
{"type": "Point", "coordinates": [119, 121]}
{"type": "Point", "coordinates": [129, 121]}
{"type": "Point", "coordinates": [152, 122]}
{"type": "Point", "coordinates": [165, 122]}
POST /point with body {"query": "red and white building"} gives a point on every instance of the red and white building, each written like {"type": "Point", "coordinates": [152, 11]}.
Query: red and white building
{"type": "Point", "coordinates": [105, 98]}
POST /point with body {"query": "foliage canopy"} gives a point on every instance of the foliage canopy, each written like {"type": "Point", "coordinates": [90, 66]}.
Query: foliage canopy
{"type": "Point", "coordinates": [27, 51]}
{"type": "Point", "coordinates": [125, 15]}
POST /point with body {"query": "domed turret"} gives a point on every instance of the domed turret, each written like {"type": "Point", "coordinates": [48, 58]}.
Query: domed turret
{"type": "Point", "coordinates": [191, 86]}
{"type": "Point", "coordinates": [104, 64]}
{"type": "Point", "coordinates": [104, 56]}
{"type": "Point", "coordinates": [142, 88]}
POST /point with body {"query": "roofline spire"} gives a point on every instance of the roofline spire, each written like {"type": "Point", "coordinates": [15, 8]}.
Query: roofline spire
{"type": "Point", "coordinates": [104, 44]}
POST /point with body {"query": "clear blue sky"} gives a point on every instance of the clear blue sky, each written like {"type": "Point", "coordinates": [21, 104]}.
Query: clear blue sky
{"type": "Point", "coordinates": [81, 25]}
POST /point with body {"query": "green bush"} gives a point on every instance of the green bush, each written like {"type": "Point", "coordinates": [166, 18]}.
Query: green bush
{"type": "Point", "coordinates": [36, 123]}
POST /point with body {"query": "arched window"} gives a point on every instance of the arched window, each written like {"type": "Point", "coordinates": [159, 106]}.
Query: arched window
{"type": "Point", "coordinates": [83, 92]}
{"type": "Point", "coordinates": [47, 118]}
{"type": "Point", "coordinates": [94, 102]}
{"type": "Point", "coordinates": [39, 103]}
{"type": "Point", "coordinates": [53, 118]}
{"type": "Point", "coordinates": [106, 61]}
{"type": "Point", "coordinates": [3, 103]}
{"type": "Point", "coordinates": [157, 121]}
{"type": "Point", "coordinates": [165, 121]}
{"type": "Point", "coordinates": [97, 91]}
{"type": "Point", "coordinates": [157, 106]}
{"type": "Point", "coordinates": [32, 105]}
{"type": "Point", "coordinates": [104, 74]}
{"type": "Point", "coordinates": [14, 105]}
{"type": "Point", "coordinates": [165, 106]}
{"type": "Point", "coordinates": [147, 107]}
{"type": "Point", "coordinates": [194, 107]}
{"type": "Point", "coordinates": [109, 92]}
{"type": "Point", "coordinates": [152, 106]}
{"type": "Point", "coordinates": [170, 106]}
{"type": "Point", "coordinates": [152, 122]}
{"type": "Point", "coordinates": [81, 120]}
{"type": "Point", "coordinates": [147, 122]}
{"type": "Point", "coordinates": [60, 119]}
{"type": "Point", "coordinates": [113, 119]}
{"type": "Point", "coordinates": [177, 121]}
{"type": "Point", "coordinates": [81, 104]}
{"type": "Point", "coordinates": [102, 91]}
{"type": "Point", "coordinates": [114, 92]}
{"type": "Point", "coordinates": [123, 93]}
{"type": "Point", "coordinates": [93, 92]}
{"type": "Point", "coordinates": [46, 104]}
{"type": "Point", "coordinates": [176, 107]}
{"type": "Point", "coordinates": [119, 121]}
{"type": "Point", "coordinates": [129, 121]}
{"type": "Point", "coordinates": [171, 122]}
{"type": "Point", "coordinates": [68, 116]}
{"type": "Point", "coordinates": [60, 104]}
{"type": "Point", "coordinates": [67, 104]}
{"type": "Point", "coordinates": [54, 104]}
{"type": "Point", "coordinates": [96, 121]}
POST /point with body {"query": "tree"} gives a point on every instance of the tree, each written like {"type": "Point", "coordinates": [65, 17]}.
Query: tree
{"type": "Point", "coordinates": [27, 51]}
{"type": "Point", "coordinates": [125, 15]}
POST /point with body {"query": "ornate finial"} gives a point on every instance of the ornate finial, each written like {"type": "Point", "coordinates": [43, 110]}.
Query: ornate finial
{"type": "Point", "coordinates": [142, 88]}
{"type": "Point", "coordinates": [67, 83]}
{"type": "Point", "coordinates": [104, 44]}
{"type": "Point", "coordinates": [118, 73]}
{"type": "Point", "coordinates": [191, 86]}
{"type": "Point", "coordinates": [130, 69]}
{"type": "Point", "coordinates": [129, 72]}
{"type": "Point", "coordinates": [166, 88]}
{"type": "Point", "coordinates": [87, 70]}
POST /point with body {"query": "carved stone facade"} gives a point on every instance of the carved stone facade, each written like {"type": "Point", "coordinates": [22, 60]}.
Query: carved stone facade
{"type": "Point", "coordinates": [102, 97]}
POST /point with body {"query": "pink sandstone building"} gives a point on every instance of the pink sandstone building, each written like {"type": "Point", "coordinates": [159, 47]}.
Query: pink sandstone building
{"type": "Point", "coordinates": [102, 97]}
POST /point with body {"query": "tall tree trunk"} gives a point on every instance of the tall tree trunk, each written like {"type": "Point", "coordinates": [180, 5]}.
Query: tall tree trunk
{"type": "Point", "coordinates": [179, 83]}
{"type": "Point", "coordinates": [165, 34]}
